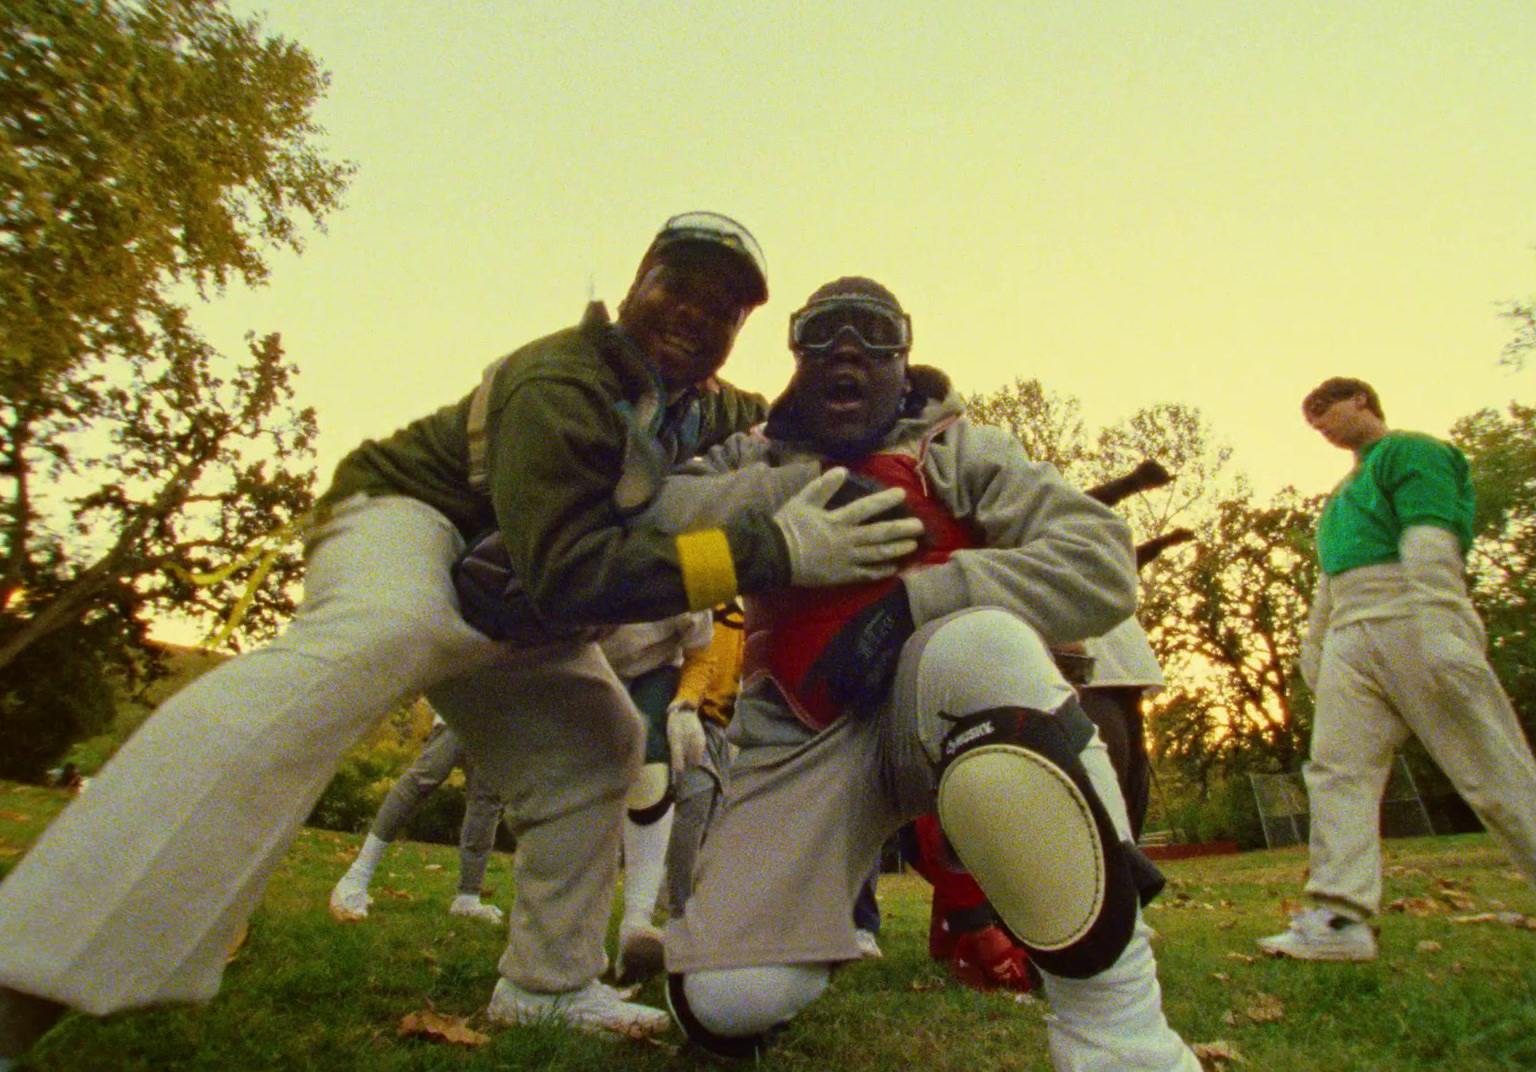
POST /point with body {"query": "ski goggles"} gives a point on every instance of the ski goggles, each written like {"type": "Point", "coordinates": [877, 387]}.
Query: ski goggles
{"type": "Point", "coordinates": [874, 325]}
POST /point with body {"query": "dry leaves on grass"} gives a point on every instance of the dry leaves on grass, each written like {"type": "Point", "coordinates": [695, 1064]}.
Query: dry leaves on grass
{"type": "Point", "coordinates": [1212, 1054]}
{"type": "Point", "coordinates": [1260, 1009]}
{"type": "Point", "coordinates": [399, 895]}
{"type": "Point", "coordinates": [1456, 894]}
{"type": "Point", "coordinates": [1507, 919]}
{"type": "Point", "coordinates": [435, 1027]}
{"type": "Point", "coordinates": [1416, 906]}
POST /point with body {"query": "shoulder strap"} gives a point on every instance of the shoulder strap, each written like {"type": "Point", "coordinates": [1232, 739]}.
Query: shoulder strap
{"type": "Point", "coordinates": [478, 470]}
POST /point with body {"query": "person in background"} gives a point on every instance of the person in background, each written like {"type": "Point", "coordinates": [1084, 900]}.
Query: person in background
{"type": "Point", "coordinates": [653, 659]}
{"type": "Point", "coordinates": [440, 754]}
{"type": "Point", "coordinates": [701, 753]}
{"type": "Point", "coordinates": [1393, 647]}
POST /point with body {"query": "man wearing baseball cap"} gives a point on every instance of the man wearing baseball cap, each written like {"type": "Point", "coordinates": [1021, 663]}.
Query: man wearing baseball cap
{"type": "Point", "coordinates": [136, 893]}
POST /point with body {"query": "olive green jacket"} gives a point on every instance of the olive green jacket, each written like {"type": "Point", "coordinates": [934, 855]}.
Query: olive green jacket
{"type": "Point", "coordinates": [577, 440]}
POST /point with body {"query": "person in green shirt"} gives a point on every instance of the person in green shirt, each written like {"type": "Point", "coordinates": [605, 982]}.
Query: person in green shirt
{"type": "Point", "coordinates": [136, 893]}
{"type": "Point", "coordinates": [1393, 648]}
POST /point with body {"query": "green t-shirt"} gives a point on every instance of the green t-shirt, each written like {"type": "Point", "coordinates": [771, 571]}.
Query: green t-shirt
{"type": "Point", "coordinates": [1402, 479]}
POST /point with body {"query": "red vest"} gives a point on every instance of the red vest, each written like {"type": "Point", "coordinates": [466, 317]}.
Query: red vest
{"type": "Point", "coordinates": [787, 630]}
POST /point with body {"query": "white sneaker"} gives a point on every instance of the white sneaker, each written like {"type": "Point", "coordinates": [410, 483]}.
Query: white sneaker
{"type": "Point", "coordinates": [869, 946]}
{"type": "Point", "coordinates": [1319, 934]}
{"type": "Point", "coordinates": [642, 951]}
{"type": "Point", "coordinates": [469, 904]}
{"type": "Point", "coordinates": [596, 1007]}
{"type": "Point", "coordinates": [350, 901]}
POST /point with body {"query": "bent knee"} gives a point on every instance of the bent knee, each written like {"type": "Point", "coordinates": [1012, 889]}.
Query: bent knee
{"type": "Point", "coordinates": [749, 1002]}
{"type": "Point", "coordinates": [1020, 670]}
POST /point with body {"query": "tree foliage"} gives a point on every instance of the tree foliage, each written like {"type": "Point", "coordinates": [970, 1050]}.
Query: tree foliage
{"type": "Point", "coordinates": [1229, 636]}
{"type": "Point", "coordinates": [1501, 449]}
{"type": "Point", "coordinates": [1523, 343]}
{"type": "Point", "coordinates": [1224, 620]}
{"type": "Point", "coordinates": [145, 148]}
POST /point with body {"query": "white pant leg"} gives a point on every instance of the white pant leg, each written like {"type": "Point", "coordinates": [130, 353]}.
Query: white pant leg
{"type": "Point", "coordinates": [1355, 733]}
{"type": "Point", "coordinates": [1448, 695]}
{"type": "Point", "coordinates": [1113, 1022]}
{"type": "Point", "coordinates": [136, 891]}
{"type": "Point", "coordinates": [553, 732]}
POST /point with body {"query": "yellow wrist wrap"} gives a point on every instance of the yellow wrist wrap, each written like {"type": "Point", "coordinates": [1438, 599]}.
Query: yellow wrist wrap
{"type": "Point", "coordinates": [709, 572]}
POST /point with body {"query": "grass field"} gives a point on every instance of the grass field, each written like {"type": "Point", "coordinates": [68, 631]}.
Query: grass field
{"type": "Point", "coordinates": [305, 992]}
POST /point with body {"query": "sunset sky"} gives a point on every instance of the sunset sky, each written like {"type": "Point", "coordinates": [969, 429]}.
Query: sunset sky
{"type": "Point", "coordinates": [1218, 204]}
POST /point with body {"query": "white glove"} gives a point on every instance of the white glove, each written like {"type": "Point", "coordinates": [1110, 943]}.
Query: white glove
{"type": "Point", "coordinates": [828, 547]}
{"type": "Point", "coordinates": [685, 737]}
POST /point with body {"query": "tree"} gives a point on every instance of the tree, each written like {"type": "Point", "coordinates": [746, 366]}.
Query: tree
{"type": "Point", "coordinates": [1229, 637]}
{"type": "Point", "coordinates": [1523, 316]}
{"type": "Point", "coordinates": [1501, 451]}
{"type": "Point", "coordinates": [145, 149]}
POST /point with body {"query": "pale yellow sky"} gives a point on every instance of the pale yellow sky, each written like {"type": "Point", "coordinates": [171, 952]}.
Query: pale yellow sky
{"type": "Point", "coordinates": [1213, 203]}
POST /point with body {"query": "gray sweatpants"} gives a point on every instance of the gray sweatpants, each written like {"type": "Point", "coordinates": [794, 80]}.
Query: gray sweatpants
{"type": "Point", "coordinates": [482, 807]}
{"type": "Point", "coordinates": [135, 893]}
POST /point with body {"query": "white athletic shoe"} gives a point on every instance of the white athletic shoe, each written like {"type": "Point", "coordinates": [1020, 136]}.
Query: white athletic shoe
{"type": "Point", "coordinates": [642, 951]}
{"type": "Point", "coordinates": [1319, 934]}
{"type": "Point", "coordinates": [469, 904]}
{"type": "Point", "coordinates": [869, 946]}
{"type": "Point", "coordinates": [350, 901]}
{"type": "Point", "coordinates": [596, 1008]}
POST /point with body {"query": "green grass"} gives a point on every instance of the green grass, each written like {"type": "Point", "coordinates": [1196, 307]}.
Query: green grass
{"type": "Point", "coordinates": [306, 992]}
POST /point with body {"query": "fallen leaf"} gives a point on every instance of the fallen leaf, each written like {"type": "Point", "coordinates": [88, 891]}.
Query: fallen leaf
{"type": "Point", "coordinates": [1428, 946]}
{"type": "Point", "coordinates": [1456, 894]}
{"type": "Point", "coordinates": [238, 943]}
{"type": "Point", "coordinates": [1266, 1008]}
{"type": "Point", "coordinates": [399, 895]}
{"type": "Point", "coordinates": [15, 817]}
{"type": "Point", "coordinates": [1415, 906]}
{"type": "Point", "coordinates": [1219, 1050]}
{"type": "Point", "coordinates": [433, 867]}
{"type": "Point", "coordinates": [436, 1027]}
{"type": "Point", "coordinates": [1508, 919]}
{"type": "Point", "coordinates": [1246, 958]}
{"type": "Point", "coordinates": [1221, 977]}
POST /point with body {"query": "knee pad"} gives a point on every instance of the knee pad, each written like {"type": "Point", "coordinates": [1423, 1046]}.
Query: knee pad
{"type": "Point", "coordinates": [651, 794]}
{"type": "Point", "coordinates": [1022, 815]}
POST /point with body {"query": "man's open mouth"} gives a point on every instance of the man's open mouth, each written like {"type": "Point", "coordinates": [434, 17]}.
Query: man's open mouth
{"type": "Point", "coordinates": [844, 392]}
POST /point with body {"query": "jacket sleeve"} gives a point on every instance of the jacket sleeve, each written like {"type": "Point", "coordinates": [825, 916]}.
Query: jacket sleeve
{"type": "Point", "coordinates": [556, 447]}
{"type": "Point", "coordinates": [728, 479]}
{"type": "Point", "coordinates": [1060, 560]}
